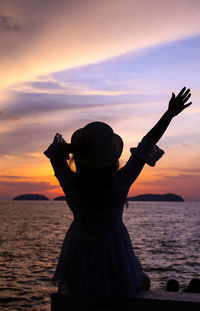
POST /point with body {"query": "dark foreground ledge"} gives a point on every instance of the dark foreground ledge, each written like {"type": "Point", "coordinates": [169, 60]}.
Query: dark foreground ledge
{"type": "Point", "coordinates": [61, 302]}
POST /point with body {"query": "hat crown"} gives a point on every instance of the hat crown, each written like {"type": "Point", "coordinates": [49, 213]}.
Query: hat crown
{"type": "Point", "coordinates": [105, 147]}
{"type": "Point", "coordinates": [101, 132]}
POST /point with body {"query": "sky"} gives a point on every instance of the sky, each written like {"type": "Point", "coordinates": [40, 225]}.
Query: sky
{"type": "Point", "coordinates": [64, 64]}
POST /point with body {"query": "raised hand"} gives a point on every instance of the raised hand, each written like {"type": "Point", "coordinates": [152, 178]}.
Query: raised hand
{"type": "Point", "coordinates": [59, 142]}
{"type": "Point", "coordinates": [178, 103]}
{"type": "Point", "coordinates": [59, 145]}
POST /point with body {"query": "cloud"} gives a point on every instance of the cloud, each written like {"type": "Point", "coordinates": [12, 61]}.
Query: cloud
{"type": "Point", "coordinates": [13, 177]}
{"type": "Point", "coordinates": [33, 135]}
{"type": "Point", "coordinates": [29, 186]}
{"type": "Point", "coordinates": [66, 34]}
{"type": "Point", "coordinates": [9, 24]}
{"type": "Point", "coordinates": [10, 189]}
{"type": "Point", "coordinates": [27, 138]}
{"type": "Point", "coordinates": [46, 85]}
{"type": "Point", "coordinates": [76, 37]}
{"type": "Point", "coordinates": [134, 77]}
{"type": "Point", "coordinates": [183, 183]}
{"type": "Point", "coordinates": [34, 104]}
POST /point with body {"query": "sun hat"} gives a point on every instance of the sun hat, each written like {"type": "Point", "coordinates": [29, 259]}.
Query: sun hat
{"type": "Point", "coordinates": [96, 145]}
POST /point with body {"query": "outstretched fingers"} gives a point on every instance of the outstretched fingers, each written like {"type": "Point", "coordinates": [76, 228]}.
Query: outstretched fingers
{"type": "Point", "coordinates": [187, 105]}
{"type": "Point", "coordinates": [184, 94]}
{"type": "Point", "coordinates": [181, 92]}
{"type": "Point", "coordinates": [184, 100]}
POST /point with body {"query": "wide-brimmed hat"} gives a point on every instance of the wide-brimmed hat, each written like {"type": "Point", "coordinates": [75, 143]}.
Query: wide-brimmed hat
{"type": "Point", "coordinates": [96, 145]}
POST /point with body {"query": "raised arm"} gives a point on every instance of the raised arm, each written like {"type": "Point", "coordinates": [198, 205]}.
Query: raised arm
{"type": "Point", "coordinates": [176, 105]}
{"type": "Point", "coordinates": [58, 153]}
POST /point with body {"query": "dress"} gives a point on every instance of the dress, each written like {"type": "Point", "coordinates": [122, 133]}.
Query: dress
{"type": "Point", "coordinates": [97, 259]}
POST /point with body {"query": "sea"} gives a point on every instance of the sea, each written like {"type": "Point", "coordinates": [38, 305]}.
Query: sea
{"type": "Point", "coordinates": [165, 237]}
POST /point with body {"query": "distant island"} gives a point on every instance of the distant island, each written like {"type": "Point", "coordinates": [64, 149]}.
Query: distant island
{"type": "Point", "coordinates": [32, 196]}
{"type": "Point", "coordinates": [168, 197]}
{"type": "Point", "coordinates": [62, 198]}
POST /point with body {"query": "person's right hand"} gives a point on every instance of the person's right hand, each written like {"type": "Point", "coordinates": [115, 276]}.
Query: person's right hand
{"type": "Point", "coordinates": [59, 145]}
{"type": "Point", "coordinates": [177, 103]}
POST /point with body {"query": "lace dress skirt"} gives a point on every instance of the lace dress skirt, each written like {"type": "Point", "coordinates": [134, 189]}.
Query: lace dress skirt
{"type": "Point", "coordinates": [97, 265]}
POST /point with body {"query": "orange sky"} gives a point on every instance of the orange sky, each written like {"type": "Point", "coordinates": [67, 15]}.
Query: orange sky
{"type": "Point", "coordinates": [67, 63]}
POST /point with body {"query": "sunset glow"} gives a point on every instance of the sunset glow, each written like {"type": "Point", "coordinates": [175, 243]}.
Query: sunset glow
{"type": "Point", "coordinates": [67, 63]}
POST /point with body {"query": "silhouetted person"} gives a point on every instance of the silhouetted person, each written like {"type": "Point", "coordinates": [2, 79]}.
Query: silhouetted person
{"type": "Point", "coordinates": [97, 260]}
{"type": "Point", "coordinates": [193, 287]}
{"type": "Point", "coordinates": [172, 286]}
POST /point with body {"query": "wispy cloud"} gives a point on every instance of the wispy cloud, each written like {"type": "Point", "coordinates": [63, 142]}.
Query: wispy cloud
{"type": "Point", "coordinates": [62, 67]}
{"type": "Point", "coordinates": [8, 24]}
{"type": "Point", "coordinates": [66, 34]}
{"type": "Point", "coordinates": [185, 184]}
{"type": "Point", "coordinates": [10, 189]}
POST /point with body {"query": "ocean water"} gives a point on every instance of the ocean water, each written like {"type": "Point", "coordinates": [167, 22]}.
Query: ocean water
{"type": "Point", "coordinates": [165, 236]}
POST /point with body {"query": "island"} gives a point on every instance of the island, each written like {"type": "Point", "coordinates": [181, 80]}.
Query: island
{"type": "Point", "coordinates": [31, 196]}
{"type": "Point", "coordinates": [62, 198]}
{"type": "Point", "coordinates": [167, 197]}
